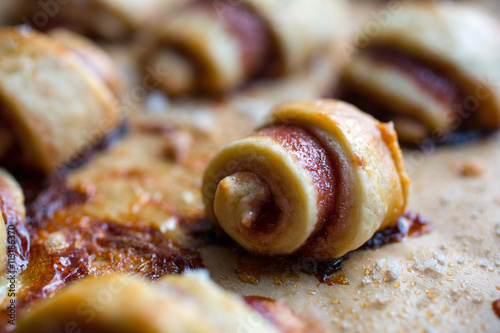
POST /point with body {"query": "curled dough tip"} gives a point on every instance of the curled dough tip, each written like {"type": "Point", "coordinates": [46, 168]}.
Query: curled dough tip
{"type": "Point", "coordinates": [243, 193]}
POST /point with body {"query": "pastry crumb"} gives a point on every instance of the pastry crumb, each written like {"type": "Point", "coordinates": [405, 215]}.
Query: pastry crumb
{"type": "Point", "coordinates": [55, 242]}
{"type": "Point", "coordinates": [472, 168]}
{"type": "Point", "coordinates": [178, 146]}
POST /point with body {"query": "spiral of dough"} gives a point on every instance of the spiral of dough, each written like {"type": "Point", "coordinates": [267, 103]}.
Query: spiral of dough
{"type": "Point", "coordinates": [320, 179]}
{"type": "Point", "coordinates": [207, 47]}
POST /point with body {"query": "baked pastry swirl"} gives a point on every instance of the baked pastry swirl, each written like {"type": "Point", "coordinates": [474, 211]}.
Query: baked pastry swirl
{"type": "Point", "coordinates": [212, 47]}
{"type": "Point", "coordinates": [54, 104]}
{"type": "Point", "coordinates": [319, 179]}
{"type": "Point", "coordinates": [431, 69]}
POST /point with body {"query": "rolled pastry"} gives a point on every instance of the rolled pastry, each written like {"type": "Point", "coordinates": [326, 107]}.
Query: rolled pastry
{"type": "Point", "coordinates": [53, 105]}
{"type": "Point", "coordinates": [187, 303]}
{"type": "Point", "coordinates": [92, 56]}
{"type": "Point", "coordinates": [319, 179]}
{"type": "Point", "coordinates": [14, 238]}
{"type": "Point", "coordinates": [432, 68]}
{"type": "Point", "coordinates": [107, 19]}
{"type": "Point", "coordinates": [212, 47]}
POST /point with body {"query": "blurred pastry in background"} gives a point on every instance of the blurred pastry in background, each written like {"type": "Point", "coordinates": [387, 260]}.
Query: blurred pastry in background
{"type": "Point", "coordinates": [182, 303]}
{"type": "Point", "coordinates": [106, 19]}
{"type": "Point", "coordinates": [10, 11]}
{"type": "Point", "coordinates": [213, 47]}
{"type": "Point", "coordinates": [56, 98]}
{"type": "Point", "coordinates": [433, 69]}
{"type": "Point", "coordinates": [95, 58]}
{"type": "Point", "coordinates": [319, 179]}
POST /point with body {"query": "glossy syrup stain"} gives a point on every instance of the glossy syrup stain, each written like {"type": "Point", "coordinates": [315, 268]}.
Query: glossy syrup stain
{"type": "Point", "coordinates": [251, 268]}
{"type": "Point", "coordinates": [87, 246]}
{"type": "Point", "coordinates": [496, 307]}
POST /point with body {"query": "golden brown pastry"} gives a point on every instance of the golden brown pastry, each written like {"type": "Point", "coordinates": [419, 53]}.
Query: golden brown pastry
{"type": "Point", "coordinates": [431, 68]}
{"type": "Point", "coordinates": [14, 239]}
{"type": "Point", "coordinates": [212, 47]}
{"type": "Point", "coordinates": [188, 303]}
{"type": "Point", "coordinates": [53, 105]}
{"type": "Point", "coordinates": [320, 179]}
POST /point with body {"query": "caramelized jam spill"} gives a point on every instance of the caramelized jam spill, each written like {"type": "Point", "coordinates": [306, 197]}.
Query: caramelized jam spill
{"type": "Point", "coordinates": [251, 268]}
{"type": "Point", "coordinates": [18, 258]}
{"type": "Point", "coordinates": [257, 299]}
{"type": "Point", "coordinates": [410, 224]}
{"type": "Point", "coordinates": [98, 248]}
{"type": "Point", "coordinates": [93, 247]}
{"type": "Point", "coordinates": [339, 278]}
{"type": "Point", "coordinates": [496, 307]}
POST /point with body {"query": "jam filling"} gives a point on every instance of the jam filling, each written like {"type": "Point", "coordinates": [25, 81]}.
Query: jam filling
{"type": "Point", "coordinates": [310, 154]}
{"type": "Point", "coordinates": [251, 32]}
{"type": "Point", "coordinates": [267, 220]}
{"type": "Point", "coordinates": [432, 80]}
{"type": "Point", "coordinates": [496, 307]}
